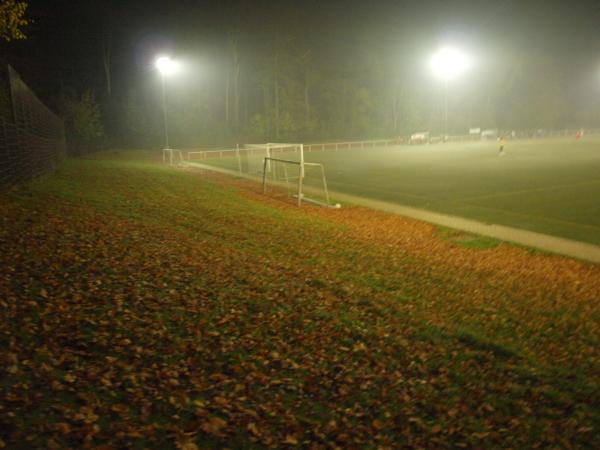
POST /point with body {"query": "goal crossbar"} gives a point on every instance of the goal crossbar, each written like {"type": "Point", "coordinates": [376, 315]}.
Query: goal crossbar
{"type": "Point", "coordinates": [287, 161]}
{"type": "Point", "coordinates": [172, 154]}
{"type": "Point", "coordinates": [282, 165]}
{"type": "Point", "coordinates": [272, 145]}
{"type": "Point", "coordinates": [300, 195]}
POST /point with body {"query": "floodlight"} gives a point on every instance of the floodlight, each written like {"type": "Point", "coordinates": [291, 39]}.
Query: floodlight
{"type": "Point", "coordinates": [449, 62]}
{"type": "Point", "coordinates": [166, 66]}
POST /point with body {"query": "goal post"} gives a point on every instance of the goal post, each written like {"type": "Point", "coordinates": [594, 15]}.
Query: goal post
{"type": "Point", "coordinates": [269, 168]}
{"type": "Point", "coordinates": [252, 155]}
{"type": "Point", "coordinates": [247, 158]}
{"type": "Point", "coordinates": [172, 155]}
{"type": "Point", "coordinates": [277, 164]}
{"type": "Point", "coordinates": [291, 175]}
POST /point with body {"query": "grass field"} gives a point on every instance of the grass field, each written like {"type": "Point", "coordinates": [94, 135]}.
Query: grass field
{"type": "Point", "coordinates": [149, 307]}
{"type": "Point", "coordinates": [547, 186]}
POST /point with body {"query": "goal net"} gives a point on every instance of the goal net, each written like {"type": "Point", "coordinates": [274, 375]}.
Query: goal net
{"type": "Point", "coordinates": [289, 172]}
{"type": "Point", "coordinates": [252, 156]}
{"type": "Point", "coordinates": [280, 165]}
{"type": "Point", "coordinates": [247, 159]}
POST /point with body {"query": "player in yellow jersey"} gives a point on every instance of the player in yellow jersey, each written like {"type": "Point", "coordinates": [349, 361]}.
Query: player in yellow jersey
{"type": "Point", "coordinates": [502, 142]}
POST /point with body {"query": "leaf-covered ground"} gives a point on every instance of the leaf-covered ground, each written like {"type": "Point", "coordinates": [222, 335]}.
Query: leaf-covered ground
{"type": "Point", "coordinates": [148, 307]}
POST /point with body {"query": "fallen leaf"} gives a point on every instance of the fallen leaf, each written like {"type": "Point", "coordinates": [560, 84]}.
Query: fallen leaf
{"type": "Point", "coordinates": [252, 429]}
{"type": "Point", "coordinates": [291, 440]}
{"type": "Point", "coordinates": [214, 425]}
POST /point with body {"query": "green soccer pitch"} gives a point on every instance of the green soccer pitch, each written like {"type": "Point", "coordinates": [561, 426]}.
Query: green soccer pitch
{"type": "Point", "coordinates": [549, 186]}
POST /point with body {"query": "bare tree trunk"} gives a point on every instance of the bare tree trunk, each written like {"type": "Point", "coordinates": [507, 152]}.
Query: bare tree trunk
{"type": "Point", "coordinates": [306, 58]}
{"type": "Point", "coordinates": [235, 81]}
{"type": "Point", "coordinates": [107, 66]}
{"type": "Point", "coordinates": [306, 100]}
{"type": "Point", "coordinates": [106, 49]}
{"type": "Point", "coordinates": [227, 82]}
{"type": "Point", "coordinates": [245, 112]}
{"type": "Point", "coordinates": [236, 93]}
{"type": "Point", "coordinates": [395, 111]}
{"type": "Point", "coordinates": [306, 108]}
{"type": "Point", "coordinates": [266, 99]}
{"type": "Point", "coordinates": [276, 88]}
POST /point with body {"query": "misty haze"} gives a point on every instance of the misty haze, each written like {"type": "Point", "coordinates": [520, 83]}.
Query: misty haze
{"type": "Point", "coordinates": [304, 224]}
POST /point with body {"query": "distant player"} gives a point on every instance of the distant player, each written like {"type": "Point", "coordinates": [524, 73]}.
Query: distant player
{"type": "Point", "coordinates": [579, 134]}
{"type": "Point", "coordinates": [502, 143]}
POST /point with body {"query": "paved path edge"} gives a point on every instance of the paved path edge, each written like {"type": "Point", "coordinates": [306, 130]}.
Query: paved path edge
{"type": "Point", "coordinates": [546, 242]}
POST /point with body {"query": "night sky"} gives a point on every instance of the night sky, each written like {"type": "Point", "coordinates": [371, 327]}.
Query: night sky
{"type": "Point", "coordinates": [65, 41]}
{"type": "Point", "coordinates": [64, 49]}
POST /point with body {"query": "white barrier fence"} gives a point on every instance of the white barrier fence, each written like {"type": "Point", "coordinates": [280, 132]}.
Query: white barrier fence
{"type": "Point", "coordinates": [212, 154]}
{"type": "Point", "coordinates": [348, 145]}
{"type": "Point", "coordinates": [351, 145]}
{"type": "Point", "coordinates": [324, 146]}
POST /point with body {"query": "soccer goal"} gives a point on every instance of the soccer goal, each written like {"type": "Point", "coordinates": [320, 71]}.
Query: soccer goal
{"type": "Point", "coordinates": [252, 155]}
{"type": "Point", "coordinates": [172, 156]}
{"type": "Point", "coordinates": [283, 166]}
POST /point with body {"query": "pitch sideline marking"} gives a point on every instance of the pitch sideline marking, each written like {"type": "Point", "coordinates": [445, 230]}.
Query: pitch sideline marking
{"type": "Point", "coordinates": [526, 191]}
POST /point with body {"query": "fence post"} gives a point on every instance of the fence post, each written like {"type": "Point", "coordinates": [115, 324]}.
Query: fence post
{"type": "Point", "coordinates": [265, 176]}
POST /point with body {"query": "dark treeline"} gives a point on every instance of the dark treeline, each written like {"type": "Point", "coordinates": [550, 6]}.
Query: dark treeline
{"type": "Point", "coordinates": [310, 70]}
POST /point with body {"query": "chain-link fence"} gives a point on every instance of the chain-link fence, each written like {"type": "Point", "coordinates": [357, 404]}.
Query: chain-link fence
{"type": "Point", "coordinates": [32, 138]}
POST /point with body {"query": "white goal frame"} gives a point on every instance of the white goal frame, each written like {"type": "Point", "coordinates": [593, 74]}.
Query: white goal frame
{"type": "Point", "coordinates": [300, 195]}
{"type": "Point", "coordinates": [254, 160]}
{"type": "Point", "coordinates": [171, 154]}
{"type": "Point", "coordinates": [271, 148]}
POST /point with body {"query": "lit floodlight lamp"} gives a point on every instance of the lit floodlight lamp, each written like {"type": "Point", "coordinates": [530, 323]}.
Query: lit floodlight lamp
{"type": "Point", "coordinates": [166, 66]}
{"type": "Point", "coordinates": [448, 63]}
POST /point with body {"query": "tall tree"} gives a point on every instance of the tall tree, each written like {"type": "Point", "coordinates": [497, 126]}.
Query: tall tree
{"type": "Point", "coordinates": [83, 124]}
{"type": "Point", "coordinates": [12, 19]}
{"type": "Point", "coordinates": [107, 31]}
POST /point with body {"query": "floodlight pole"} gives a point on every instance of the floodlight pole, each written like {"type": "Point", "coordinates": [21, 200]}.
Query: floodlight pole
{"type": "Point", "coordinates": [445, 109]}
{"type": "Point", "coordinates": [447, 63]}
{"type": "Point", "coordinates": [164, 104]}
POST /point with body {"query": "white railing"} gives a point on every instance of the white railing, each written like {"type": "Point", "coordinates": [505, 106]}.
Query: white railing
{"type": "Point", "coordinates": [347, 145]}
{"type": "Point", "coordinates": [518, 134]}
{"type": "Point", "coordinates": [250, 149]}
{"type": "Point", "coordinates": [208, 154]}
